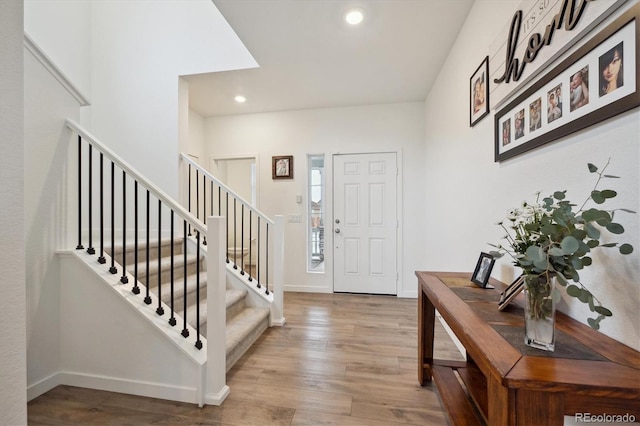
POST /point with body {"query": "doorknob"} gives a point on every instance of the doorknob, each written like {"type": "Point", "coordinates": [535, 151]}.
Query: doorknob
{"type": "Point", "coordinates": [337, 230]}
{"type": "Point", "coordinates": [337, 220]}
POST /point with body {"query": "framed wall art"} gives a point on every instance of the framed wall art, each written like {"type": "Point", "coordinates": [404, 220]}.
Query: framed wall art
{"type": "Point", "coordinates": [597, 82]}
{"type": "Point", "coordinates": [479, 93]}
{"type": "Point", "coordinates": [282, 167]}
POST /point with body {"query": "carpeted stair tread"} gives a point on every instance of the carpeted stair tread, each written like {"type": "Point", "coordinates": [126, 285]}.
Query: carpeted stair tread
{"type": "Point", "coordinates": [165, 265]}
{"type": "Point", "coordinates": [179, 290]}
{"type": "Point", "coordinates": [142, 244]}
{"type": "Point", "coordinates": [234, 301]}
{"type": "Point", "coordinates": [165, 245]}
{"type": "Point", "coordinates": [191, 315]}
{"type": "Point", "coordinates": [233, 296]}
{"type": "Point", "coordinates": [243, 330]}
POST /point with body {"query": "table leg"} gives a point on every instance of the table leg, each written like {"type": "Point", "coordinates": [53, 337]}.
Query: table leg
{"type": "Point", "coordinates": [529, 412]}
{"type": "Point", "coordinates": [501, 404]}
{"type": "Point", "coordinates": [426, 325]}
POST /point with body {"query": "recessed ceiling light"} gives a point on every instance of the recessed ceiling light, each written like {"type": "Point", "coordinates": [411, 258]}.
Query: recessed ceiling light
{"type": "Point", "coordinates": [240, 99]}
{"type": "Point", "coordinates": [354, 16]}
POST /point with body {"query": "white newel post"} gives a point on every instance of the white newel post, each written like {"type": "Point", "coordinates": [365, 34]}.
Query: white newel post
{"type": "Point", "coordinates": [216, 389]}
{"type": "Point", "coordinates": [277, 309]}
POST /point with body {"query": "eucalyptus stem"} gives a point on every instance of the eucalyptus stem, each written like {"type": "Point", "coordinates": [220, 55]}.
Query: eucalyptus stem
{"type": "Point", "coordinates": [595, 186]}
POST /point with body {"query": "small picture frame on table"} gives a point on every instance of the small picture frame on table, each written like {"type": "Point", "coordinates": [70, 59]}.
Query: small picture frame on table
{"type": "Point", "coordinates": [483, 270]}
{"type": "Point", "coordinates": [510, 292]}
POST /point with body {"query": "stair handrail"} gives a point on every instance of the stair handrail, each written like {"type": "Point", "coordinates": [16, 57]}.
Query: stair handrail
{"type": "Point", "coordinates": [230, 191]}
{"type": "Point", "coordinates": [159, 193]}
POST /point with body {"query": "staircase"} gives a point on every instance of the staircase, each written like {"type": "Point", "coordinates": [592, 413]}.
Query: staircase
{"type": "Point", "coordinates": [165, 285]}
{"type": "Point", "coordinates": [244, 325]}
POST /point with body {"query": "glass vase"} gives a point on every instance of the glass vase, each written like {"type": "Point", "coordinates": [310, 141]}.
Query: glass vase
{"type": "Point", "coordinates": [539, 312]}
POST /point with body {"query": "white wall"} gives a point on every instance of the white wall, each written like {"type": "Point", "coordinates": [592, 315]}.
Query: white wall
{"type": "Point", "coordinates": [196, 145]}
{"type": "Point", "coordinates": [62, 28]}
{"type": "Point", "coordinates": [47, 105]}
{"type": "Point", "coordinates": [376, 128]}
{"type": "Point", "coordinates": [139, 49]}
{"type": "Point", "coordinates": [13, 395]}
{"type": "Point", "coordinates": [472, 193]}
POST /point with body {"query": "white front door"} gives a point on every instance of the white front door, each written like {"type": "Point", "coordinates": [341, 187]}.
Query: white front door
{"type": "Point", "coordinates": [365, 223]}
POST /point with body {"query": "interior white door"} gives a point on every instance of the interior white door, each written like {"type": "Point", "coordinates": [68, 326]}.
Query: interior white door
{"type": "Point", "coordinates": [365, 223]}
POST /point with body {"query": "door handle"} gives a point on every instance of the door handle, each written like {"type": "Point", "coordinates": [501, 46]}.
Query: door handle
{"type": "Point", "coordinates": [337, 230]}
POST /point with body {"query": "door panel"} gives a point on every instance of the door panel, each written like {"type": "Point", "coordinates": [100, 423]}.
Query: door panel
{"type": "Point", "coordinates": [365, 223]}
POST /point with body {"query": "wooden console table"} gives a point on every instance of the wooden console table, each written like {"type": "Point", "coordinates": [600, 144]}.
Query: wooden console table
{"type": "Point", "coordinates": [507, 382]}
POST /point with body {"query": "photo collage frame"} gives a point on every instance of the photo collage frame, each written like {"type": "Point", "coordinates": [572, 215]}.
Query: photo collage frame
{"type": "Point", "coordinates": [603, 73]}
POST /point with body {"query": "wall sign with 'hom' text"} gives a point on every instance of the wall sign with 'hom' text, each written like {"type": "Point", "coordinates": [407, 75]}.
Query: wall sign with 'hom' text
{"type": "Point", "coordinates": [537, 35]}
{"type": "Point", "coordinates": [568, 15]}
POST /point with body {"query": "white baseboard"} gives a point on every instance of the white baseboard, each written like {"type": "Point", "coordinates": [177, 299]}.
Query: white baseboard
{"type": "Point", "coordinates": [279, 322]}
{"type": "Point", "coordinates": [115, 384]}
{"type": "Point", "coordinates": [307, 289]}
{"type": "Point", "coordinates": [43, 386]}
{"type": "Point", "coordinates": [217, 398]}
{"type": "Point", "coordinates": [312, 289]}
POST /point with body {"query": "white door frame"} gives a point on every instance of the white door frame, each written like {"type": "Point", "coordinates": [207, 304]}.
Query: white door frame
{"type": "Point", "coordinates": [213, 162]}
{"type": "Point", "coordinates": [329, 242]}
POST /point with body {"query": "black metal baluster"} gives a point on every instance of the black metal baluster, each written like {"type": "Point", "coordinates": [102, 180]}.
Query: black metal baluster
{"type": "Point", "coordinates": [185, 330]}
{"type": "Point", "coordinates": [227, 232]}
{"type": "Point", "coordinates": [242, 240]}
{"type": "Point", "coordinates": [160, 309]}
{"type": "Point", "coordinates": [197, 194]}
{"type": "Point", "coordinates": [258, 259]}
{"type": "Point", "coordinates": [204, 205]}
{"type": "Point", "coordinates": [235, 237]}
{"type": "Point", "coordinates": [189, 204]}
{"type": "Point", "coordinates": [102, 259]}
{"type": "Point", "coordinates": [172, 320]}
{"type": "Point", "coordinates": [113, 268]}
{"type": "Point", "coordinates": [250, 239]}
{"type": "Point", "coordinates": [91, 250]}
{"type": "Point", "coordinates": [198, 342]}
{"type": "Point", "coordinates": [124, 279]}
{"type": "Point", "coordinates": [79, 246]}
{"type": "Point", "coordinates": [266, 261]}
{"type": "Point", "coordinates": [147, 299]}
{"type": "Point", "coordinates": [135, 289]}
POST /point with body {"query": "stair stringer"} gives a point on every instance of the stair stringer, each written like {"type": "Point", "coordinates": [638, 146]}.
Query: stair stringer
{"type": "Point", "coordinates": [122, 347]}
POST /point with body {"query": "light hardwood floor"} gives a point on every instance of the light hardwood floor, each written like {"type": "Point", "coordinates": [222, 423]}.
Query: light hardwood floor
{"type": "Point", "coordinates": [340, 360]}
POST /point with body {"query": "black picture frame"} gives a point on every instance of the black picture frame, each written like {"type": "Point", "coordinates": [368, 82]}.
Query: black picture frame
{"type": "Point", "coordinates": [282, 167]}
{"type": "Point", "coordinates": [479, 93]}
{"type": "Point", "coordinates": [511, 292]}
{"type": "Point", "coordinates": [572, 117]}
{"type": "Point", "coordinates": [482, 272]}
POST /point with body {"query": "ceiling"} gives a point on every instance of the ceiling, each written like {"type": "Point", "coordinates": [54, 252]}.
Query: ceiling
{"type": "Point", "coordinates": [309, 57]}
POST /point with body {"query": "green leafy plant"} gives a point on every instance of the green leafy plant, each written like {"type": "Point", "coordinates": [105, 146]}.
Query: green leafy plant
{"type": "Point", "coordinates": [552, 238]}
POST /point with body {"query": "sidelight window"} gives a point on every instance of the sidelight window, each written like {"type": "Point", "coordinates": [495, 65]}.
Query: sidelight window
{"type": "Point", "coordinates": [316, 213]}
